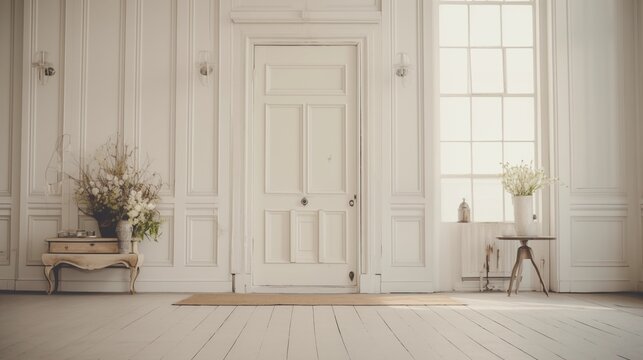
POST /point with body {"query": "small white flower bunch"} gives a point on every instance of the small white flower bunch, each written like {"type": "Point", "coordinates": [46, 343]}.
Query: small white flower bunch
{"type": "Point", "coordinates": [138, 207]}
{"type": "Point", "coordinates": [523, 179]}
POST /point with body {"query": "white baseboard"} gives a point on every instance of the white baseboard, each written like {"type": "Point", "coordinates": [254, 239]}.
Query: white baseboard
{"type": "Point", "coordinates": [7, 284]}
{"type": "Point", "coordinates": [301, 289]}
{"type": "Point", "coordinates": [370, 284]}
{"type": "Point", "coordinates": [580, 286]}
{"type": "Point", "coordinates": [123, 286]}
{"type": "Point", "coordinates": [407, 286]}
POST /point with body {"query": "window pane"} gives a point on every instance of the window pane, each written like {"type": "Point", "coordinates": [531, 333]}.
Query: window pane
{"type": "Point", "coordinates": [456, 158]}
{"type": "Point", "coordinates": [485, 25]}
{"type": "Point", "coordinates": [509, 207]}
{"type": "Point", "coordinates": [487, 200]}
{"type": "Point", "coordinates": [453, 191]}
{"type": "Point", "coordinates": [515, 152]}
{"type": "Point", "coordinates": [454, 25]}
{"type": "Point", "coordinates": [453, 71]}
{"type": "Point", "coordinates": [519, 118]}
{"type": "Point", "coordinates": [454, 119]}
{"type": "Point", "coordinates": [486, 118]}
{"type": "Point", "coordinates": [517, 25]}
{"type": "Point", "coordinates": [487, 158]}
{"type": "Point", "coordinates": [520, 71]}
{"type": "Point", "coordinates": [486, 71]}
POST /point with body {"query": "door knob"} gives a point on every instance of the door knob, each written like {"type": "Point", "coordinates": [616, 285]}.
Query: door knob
{"type": "Point", "coordinates": [304, 201]}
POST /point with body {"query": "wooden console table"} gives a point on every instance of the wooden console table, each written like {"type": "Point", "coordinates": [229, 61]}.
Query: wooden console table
{"type": "Point", "coordinates": [524, 253]}
{"type": "Point", "coordinates": [53, 262]}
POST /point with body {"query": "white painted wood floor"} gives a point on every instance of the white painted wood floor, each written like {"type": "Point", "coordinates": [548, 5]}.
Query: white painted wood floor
{"type": "Point", "coordinates": [492, 326]}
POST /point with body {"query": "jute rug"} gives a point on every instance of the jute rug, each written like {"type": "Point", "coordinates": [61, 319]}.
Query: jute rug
{"type": "Point", "coordinates": [317, 299]}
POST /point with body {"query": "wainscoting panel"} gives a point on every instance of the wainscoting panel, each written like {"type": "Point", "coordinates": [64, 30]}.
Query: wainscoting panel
{"type": "Point", "coordinates": [6, 95]}
{"type": "Point", "coordinates": [42, 223]}
{"type": "Point", "coordinates": [5, 236]}
{"type": "Point", "coordinates": [45, 104]}
{"type": "Point", "coordinates": [103, 53]}
{"type": "Point", "coordinates": [203, 124]}
{"type": "Point", "coordinates": [407, 121]}
{"type": "Point", "coordinates": [598, 77]}
{"type": "Point", "coordinates": [156, 89]}
{"type": "Point", "coordinates": [202, 238]}
{"type": "Point", "coordinates": [595, 113]}
{"type": "Point", "coordinates": [161, 252]}
{"type": "Point", "coordinates": [599, 241]}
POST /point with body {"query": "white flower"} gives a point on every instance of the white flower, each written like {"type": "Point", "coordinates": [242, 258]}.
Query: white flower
{"type": "Point", "coordinates": [132, 214]}
{"type": "Point", "coordinates": [91, 183]}
{"type": "Point", "coordinates": [125, 176]}
{"type": "Point", "coordinates": [95, 191]}
{"type": "Point", "coordinates": [138, 207]}
{"type": "Point", "coordinates": [151, 206]}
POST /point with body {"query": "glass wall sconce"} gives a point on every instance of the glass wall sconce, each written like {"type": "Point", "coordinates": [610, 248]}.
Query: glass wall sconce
{"type": "Point", "coordinates": [402, 68]}
{"type": "Point", "coordinates": [206, 67]}
{"type": "Point", "coordinates": [44, 68]}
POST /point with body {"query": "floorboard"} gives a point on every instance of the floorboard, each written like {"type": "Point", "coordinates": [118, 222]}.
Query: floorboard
{"type": "Point", "coordinates": [491, 326]}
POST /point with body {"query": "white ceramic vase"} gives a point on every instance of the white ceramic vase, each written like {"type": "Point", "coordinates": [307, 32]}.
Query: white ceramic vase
{"type": "Point", "coordinates": [124, 235]}
{"type": "Point", "coordinates": [524, 216]}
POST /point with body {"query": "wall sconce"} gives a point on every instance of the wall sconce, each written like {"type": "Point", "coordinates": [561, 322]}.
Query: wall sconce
{"type": "Point", "coordinates": [44, 68]}
{"type": "Point", "coordinates": [205, 67]}
{"type": "Point", "coordinates": [402, 68]}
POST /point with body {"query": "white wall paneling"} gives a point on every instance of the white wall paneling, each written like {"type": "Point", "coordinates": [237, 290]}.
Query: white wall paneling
{"type": "Point", "coordinates": [128, 71]}
{"type": "Point", "coordinates": [408, 228]}
{"type": "Point", "coordinates": [10, 110]}
{"type": "Point", "coordinates": [593, 92]}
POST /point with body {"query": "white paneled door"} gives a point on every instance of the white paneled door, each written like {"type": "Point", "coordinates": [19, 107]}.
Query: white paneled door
{"type": "Point", "coordinates": [305, 167]}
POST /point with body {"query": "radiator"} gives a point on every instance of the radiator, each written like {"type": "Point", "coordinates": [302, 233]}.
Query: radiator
{"type": "Point", "coordinates": [474, 239]}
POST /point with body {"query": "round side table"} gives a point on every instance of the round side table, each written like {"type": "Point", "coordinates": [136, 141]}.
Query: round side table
{"type": "Point", "coordinates": [524, 253]}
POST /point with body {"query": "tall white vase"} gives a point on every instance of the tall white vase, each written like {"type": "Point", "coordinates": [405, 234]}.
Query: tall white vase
{"type": "Point", "coordinates": [124, 235]}
{"type": "Point", "coordinates": [524, 215]}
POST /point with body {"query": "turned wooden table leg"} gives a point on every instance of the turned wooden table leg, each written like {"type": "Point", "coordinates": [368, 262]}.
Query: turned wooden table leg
{"type": "Point", "coordinates": [48, 276]}
{"type": "Point", "coordinates": [531, 257]}
{"type": "Point", "coordinates": [518, 276]}
{"type": "Point", "coordinates": [513, 273]}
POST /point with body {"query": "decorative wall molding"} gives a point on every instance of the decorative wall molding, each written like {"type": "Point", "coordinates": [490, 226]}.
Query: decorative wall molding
{"type": "Point", "coordinates": [7, 96]}
{"type": "Point", "coordinates": [599, 241]}
{"type": "Point", "coordinates": [155, 104]}
{"type": "Point", "coordinates": [46, 34]}
{"type": "Point", "coordinates": [407, 110]}
{"type": "Point", "coordinates": [42, 223]}
{"type": "Point", "coordinates": [5, 237]}
{"type": "Point", "coordinates": [202, 232]}
{"type": "Point", "coordinates": [203, 123]}
{"type": "Point", "coordinates": [305, 17]}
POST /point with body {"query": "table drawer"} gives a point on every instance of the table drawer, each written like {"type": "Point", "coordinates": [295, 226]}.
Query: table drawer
{"type": "Point", "coordinates": [84, 247]}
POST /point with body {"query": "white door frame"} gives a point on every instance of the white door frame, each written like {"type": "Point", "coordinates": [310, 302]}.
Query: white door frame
{"type": "Point", "coordinates": [244, 38]}
{"type": "Point", "coordinates": [250, 158]}
{"type": "Point", "coordinates": [251, 167]}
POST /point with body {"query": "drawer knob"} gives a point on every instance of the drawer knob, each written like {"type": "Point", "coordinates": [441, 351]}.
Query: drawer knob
{"type": "Point", "coordinates": [91, 244]}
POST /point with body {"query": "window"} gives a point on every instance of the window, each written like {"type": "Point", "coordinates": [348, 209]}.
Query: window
{"type": "Point", "coordinates": [487, 101]}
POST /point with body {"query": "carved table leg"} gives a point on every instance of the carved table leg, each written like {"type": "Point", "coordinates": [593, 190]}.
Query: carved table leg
{"type": "Point", "coordinates": [134, 271]}
{"type": "Point", "coordinates": [50, 285]}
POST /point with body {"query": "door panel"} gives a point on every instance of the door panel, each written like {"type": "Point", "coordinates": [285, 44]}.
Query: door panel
{"type": "Point", "coordinates": [306, 166]}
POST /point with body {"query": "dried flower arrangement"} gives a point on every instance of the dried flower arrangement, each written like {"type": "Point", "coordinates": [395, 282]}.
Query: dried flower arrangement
{"type": "Point", "coordinates": [523, 179]}
{"type": "Point", "coordinates": [113, 188]}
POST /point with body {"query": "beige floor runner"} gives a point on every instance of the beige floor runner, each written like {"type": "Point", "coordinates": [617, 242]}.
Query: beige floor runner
{"type": "Point", "coordinates": [317, 299]}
